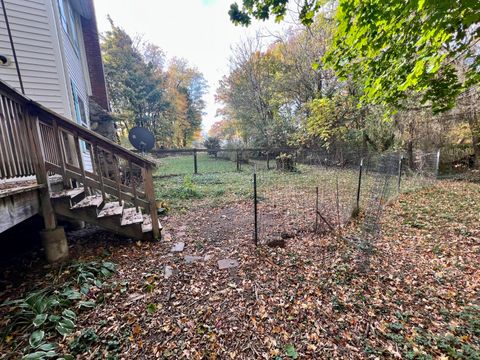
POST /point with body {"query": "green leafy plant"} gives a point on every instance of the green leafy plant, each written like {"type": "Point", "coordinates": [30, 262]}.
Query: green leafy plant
{"type": "Point", "coordinates": [49, 312]}
{"type": "Point", "coordinates": [291, 352]}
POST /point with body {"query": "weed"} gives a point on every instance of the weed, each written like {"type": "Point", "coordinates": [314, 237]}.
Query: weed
{"type": "Point", "coordinates": [47, 313]}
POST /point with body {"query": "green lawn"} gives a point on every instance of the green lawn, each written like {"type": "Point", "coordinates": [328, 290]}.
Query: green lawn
{"type": "Point", "coordinates": [218, 183]}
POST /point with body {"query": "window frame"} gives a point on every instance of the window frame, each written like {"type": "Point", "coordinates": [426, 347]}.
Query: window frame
{"type": "Point", "coordinates": [79, 106]}
{"type": "Point", "coordinates": [69, 23]}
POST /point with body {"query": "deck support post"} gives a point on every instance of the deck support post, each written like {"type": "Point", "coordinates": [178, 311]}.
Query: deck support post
{"type": "Point", "coordinates": [53, 237]}
{"type": "Point", "coordinates": [55, 243]}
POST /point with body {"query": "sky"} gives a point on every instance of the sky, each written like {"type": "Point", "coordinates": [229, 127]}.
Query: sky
{"type": "Point", "coordinates": [198, 30]}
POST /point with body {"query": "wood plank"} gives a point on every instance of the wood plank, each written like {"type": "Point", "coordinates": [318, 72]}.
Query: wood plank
{"type": "Point", "coordinates": [48, 214]}
{"type": "Point", "coordinates": [89, 201]}
{"type": "Point", "coordinates": [111, 223]}
{"type": "Point", "coordinates": [111, 209]}
{"type": "Point", "coordinates": [147, 224]}
{"type": "Point", "coordinates": [67, 193]}
{"type": "Point", "coordinates": [6, 139]}
{"type": "Point", "coordinates": [94, 184]}
{"type": "Point", "coordinates": [19, 189]}
{"type": "Point", "coordinates": [131, 216]}
{"type": "Point", "coordinates": [21, 113]}
{"type": "Point", "coordinates": [17, 208]}
{"type": "Point", "coordinates": [150, 197]}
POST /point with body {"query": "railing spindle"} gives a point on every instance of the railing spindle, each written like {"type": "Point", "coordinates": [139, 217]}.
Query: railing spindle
{"type": "Point", "coordinates": [98, 165]}
{"type": "Point", "coordinates": [7, 140]}
{"type": "Point", "coordinates": [117, 178]}
{"type": "Point", "coordinates": [132, 184]}
{"type": "Point", "coordinates": [24, 131]}
{"type": "Point", "coordinates": [17, 140]}
{"type": "Point", "coordinates": [80, 163]}
{"type": "Point", "coordinates": [58, 145]}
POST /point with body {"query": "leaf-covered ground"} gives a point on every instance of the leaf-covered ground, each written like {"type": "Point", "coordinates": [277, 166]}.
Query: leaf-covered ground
{"type": "Point", "coordinates": [420, 297]}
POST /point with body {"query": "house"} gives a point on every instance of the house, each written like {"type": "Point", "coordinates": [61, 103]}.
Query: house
{"type": "Point", "coordinates": [53, 55]}
{"type": "Point", "coordinates": [51, 162]}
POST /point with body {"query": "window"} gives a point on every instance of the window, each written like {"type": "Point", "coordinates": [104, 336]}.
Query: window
{"type": "Point", "coordinates": [80, 114]}
{"type": "Point", "coordinates": [79, 105]}
{"type": "Point", "coordinates": [63, 15]}
{"type": "Point", "coordinates": [67, 18]}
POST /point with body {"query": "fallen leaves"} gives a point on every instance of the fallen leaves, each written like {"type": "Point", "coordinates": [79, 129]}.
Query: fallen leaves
{"type": "Point", "coordinates": [307, 300]}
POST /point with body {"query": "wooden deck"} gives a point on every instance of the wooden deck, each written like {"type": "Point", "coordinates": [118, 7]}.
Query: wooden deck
{"type": "Point", "coordinates": [42, 171]}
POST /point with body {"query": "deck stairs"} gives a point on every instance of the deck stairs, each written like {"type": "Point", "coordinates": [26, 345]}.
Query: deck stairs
{"type": "Point", "coordinates": [113, 216]}
{"type": "Point", "coordinates": [101, 182]}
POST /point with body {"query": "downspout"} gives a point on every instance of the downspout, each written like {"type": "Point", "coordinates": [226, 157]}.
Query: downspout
{"type": "Point", "coordinates": [13, 47]}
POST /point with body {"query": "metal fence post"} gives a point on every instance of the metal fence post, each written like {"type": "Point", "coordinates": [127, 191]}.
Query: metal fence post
{"type": "Point", "coordinates": [255, 210]}
{"type": "Point", "coordinates": [400, 166]}
{"type": "Point", "coordinates": [437, 165]}
{"type": "Point", "coordinates": [195, 166]}
{"type": "Point", "coordinates": [359, 186]}
{"type": "Point", "coordinates": [316, 209]}
{"type": "Point", "coordinates": [238, 161]}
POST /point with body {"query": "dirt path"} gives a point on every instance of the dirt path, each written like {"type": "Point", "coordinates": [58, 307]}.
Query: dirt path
{"type": "Point", "coordinates": [420, 296]}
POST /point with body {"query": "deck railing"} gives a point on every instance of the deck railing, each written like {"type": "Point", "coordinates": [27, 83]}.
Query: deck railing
{"type": "Point", "coordinates": [36, 141]}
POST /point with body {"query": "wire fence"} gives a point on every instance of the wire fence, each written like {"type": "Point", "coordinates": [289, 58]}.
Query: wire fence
{"type": "Point", "coordinates": [298, 190]}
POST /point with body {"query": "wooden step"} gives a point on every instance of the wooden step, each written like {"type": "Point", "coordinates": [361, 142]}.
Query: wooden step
{"type": "Point", "coordinates": [89, 201]}
{"type": "Point", "coordinates": [71, 193]}
{"type": "Point", "coordinates": [131, 216]}
{"type": "Point", "coordinates": [147, 224]}
{"type": "Point", "coordinates": [111, 209]}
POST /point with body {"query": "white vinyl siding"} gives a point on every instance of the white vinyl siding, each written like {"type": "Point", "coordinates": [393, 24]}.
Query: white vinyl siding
{"type": "Point", "coordinates": [36, 45]}
{"type": "Point", "coordinates": [75, 68]}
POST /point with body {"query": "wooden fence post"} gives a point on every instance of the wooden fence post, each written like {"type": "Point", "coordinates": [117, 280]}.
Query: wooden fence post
{"type": "Point", "coordinates": [150, 195]}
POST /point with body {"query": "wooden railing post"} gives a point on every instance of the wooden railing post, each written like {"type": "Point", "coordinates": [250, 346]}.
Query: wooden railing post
{"type": "Point", "coordinates": [59, 147]}
{"type": "Point", "coordinates": [98, 162]}
{"type": "Point", "coordinates": [41, 173]}
{"type": "Point", "coordinates": [116, 165]}
{"type": "Point", "coordinates": [132, 184]}
{"type": "Point", "coordinates": [80, 163]}
{"type": "Point", "coordinates": [150, 195]}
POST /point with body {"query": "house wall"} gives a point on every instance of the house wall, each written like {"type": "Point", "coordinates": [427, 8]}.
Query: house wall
{"type": "Point", "coordinates": [76, 72]}
{"type": "Point", "coordinates": [38, 53]}
{"type": "Point", "coordinates": [75, 65]}
{"type": "Point", "coordinates": [48, 61]}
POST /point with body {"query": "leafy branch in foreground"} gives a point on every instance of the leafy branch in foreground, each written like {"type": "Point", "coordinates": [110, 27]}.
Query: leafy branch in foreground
{"type": "Point", "coordinates": [393, 47]}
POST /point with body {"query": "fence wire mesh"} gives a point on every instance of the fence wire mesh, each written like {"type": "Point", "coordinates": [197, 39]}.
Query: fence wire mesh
{"type": "Point", "coordinates": [299, 190]}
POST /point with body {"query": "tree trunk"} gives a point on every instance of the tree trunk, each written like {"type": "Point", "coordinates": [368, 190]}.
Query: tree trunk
{"type": "Point", "coordinates": [475, 130]}
{"type": "Point", "coordinates": [411, 163]}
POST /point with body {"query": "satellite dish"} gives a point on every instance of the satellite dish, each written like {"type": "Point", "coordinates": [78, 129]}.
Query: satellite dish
{"type": "Point", "coordinates": [141, 138]}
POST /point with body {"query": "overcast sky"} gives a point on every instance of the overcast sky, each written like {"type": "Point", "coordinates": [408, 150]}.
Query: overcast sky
{"type": "Point", "coordinates": [197, 30]}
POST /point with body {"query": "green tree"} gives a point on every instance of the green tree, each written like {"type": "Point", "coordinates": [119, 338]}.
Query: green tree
{"type": "Point", "coordinates": [135, 87]}
{"type": "Point", "coordinates": [394, 46]}
{"type": "Point", "coordinates": [185, 87]}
